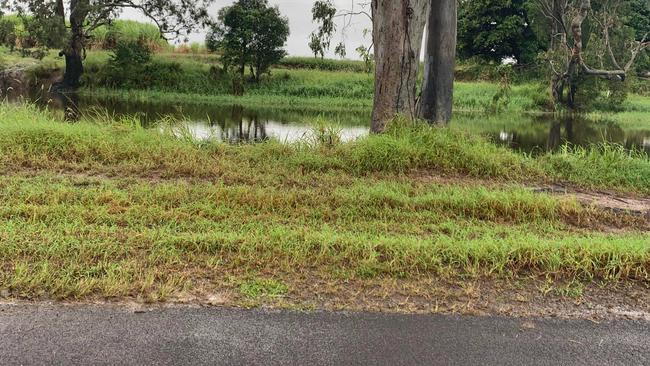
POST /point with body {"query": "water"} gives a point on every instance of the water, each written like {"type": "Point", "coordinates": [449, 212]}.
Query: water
{"type": "Point", "coordinates": [237, 124]}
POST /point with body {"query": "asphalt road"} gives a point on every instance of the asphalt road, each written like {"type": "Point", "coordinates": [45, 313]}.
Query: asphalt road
{"type": "Point", "coordinates": [89, 335]}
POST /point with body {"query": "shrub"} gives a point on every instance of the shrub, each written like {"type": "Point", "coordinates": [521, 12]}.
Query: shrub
{"type": "Point", "coordinates": [8, 36]}
{"type": "Point", "coordinates": [127, 63]}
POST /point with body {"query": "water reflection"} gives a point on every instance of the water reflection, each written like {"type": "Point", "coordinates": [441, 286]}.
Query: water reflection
{"type": "Point", "coordinates": [68, 103]}
{"type": "Point", "coordinates": [537, 134]}
{"type": "Point", "coordinates": [238, 124]}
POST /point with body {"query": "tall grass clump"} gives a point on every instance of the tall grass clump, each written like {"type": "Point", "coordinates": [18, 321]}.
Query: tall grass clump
{"type": "Point", "coordinates": [416, 145]}
{"type": "Point", "coordinates": [602, 165]}
{"type": "Point", "coordinates": [106, 37]}
{"type": "Point", "coordinates": [32, 138]}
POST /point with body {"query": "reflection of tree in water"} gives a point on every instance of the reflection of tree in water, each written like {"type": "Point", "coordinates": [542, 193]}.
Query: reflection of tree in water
{"type": "Point", "coordinates": [554, 140]}
{"type": "Point", "coordinates": [580, 131]}
{"type": "Point", "coordinates": [66, 102]}
{"type": "Point", "coordinates": [71, 107]}
{"type": "Point", "coordinates": [243, 128]}
{"type": "Point", "coordinates": [537, 134]}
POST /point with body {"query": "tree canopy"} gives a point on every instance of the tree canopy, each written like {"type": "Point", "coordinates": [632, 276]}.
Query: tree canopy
{"type": "Point", "coordinates": [496, 29]}
{"type": "Point", "coordinates": [250, 33]}
{"type": "Point", "coordinates": [175, 18]}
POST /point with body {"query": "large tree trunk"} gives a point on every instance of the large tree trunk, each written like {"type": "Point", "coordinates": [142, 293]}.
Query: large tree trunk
{"type": "Point", "coordinates": [398, 27]}
{"type": "Point", "coordinates": [74, 51]}
{"type": "Point", "coordinates": [60, 9]}
{"type": "Point", "coordinates": [73, 64]}
{"type": "Point", "coordinates": [438, 85]}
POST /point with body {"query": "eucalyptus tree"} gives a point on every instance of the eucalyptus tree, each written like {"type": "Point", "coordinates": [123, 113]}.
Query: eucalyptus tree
{"type": "Point", "coordinates": [436, 100]}
{"type": "Point", "coordinates": [175, 18]}
{"type": "Point", "coordinates": [588, 41]}
{"type": "Point", "coordinates": [398, 29]}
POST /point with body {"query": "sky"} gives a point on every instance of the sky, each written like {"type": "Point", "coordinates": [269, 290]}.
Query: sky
{"type": "Point", "coordinates": [300, 23]}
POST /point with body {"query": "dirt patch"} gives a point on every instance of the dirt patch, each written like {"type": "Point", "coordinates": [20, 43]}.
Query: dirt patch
{"type": "Point", "coordinates": [604, 200]}
{"type": "Point", "coordinates": [528, 297]}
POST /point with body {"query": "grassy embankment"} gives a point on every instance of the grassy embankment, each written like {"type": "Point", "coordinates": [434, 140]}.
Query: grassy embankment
{"type": "Point", "coordinates": [289, 85]}
{"type": "Point", "coordinates": [301, 84]}
{"type": "Point", "coordinates": [294, 84]}
{"type": "Point", "coordinates": [304, 84]}
{"type": "Point", "coordinates": [107, 209]}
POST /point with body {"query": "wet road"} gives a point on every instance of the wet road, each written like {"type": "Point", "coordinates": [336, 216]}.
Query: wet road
{"type": "Point", "coordinates": [54, 334]}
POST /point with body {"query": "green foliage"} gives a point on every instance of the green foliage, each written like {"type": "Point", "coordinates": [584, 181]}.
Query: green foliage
{"type": "Point", "coordinates": [8, 33]}
{"type": "Point", "coordinates": [131, 66]}
{"type": "Point", "coordinates": [340, 50]}
{"type": "Point", "coordinates": [249, 33]}
{"type": "Point", "coordinates": [501, 98]}
{"type": "Point", "coordinates": [41, 29]}
{"type": "Point", "coordinates": [367, 57]}
{"type": "Point", "coordinates": [323, 13]}
{"type": "Point", "coordinates": [45, 28]}
{"type": "Point", "coordinates": [258, 287]}
{"type": "Point", "coordinates": [599, 94]}
{"type": "Point", "coordinates": [496, 29]}
{"type": "Point", "coordinates": [638, 18]}
{"type": "Point", "coordinates": [129, 58]}
{"type": "Point", "coordinates": [322, 64]}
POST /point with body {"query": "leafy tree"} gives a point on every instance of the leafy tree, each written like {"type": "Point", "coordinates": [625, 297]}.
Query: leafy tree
{"type": "Point", "coordinates": [637, 17]}
{"type": "Point", "coordinates": [323, 13]}
{"type": "Point", "coordinates": [175, 18]}
{"type": "Point", "coordinates": [496, 29]}
{"type": "Point", "coordinates": [591, 49]}
{"type": "Point", "coordinates": [250, 33]}
{"type": "Point", "coordinates": [45, 27]}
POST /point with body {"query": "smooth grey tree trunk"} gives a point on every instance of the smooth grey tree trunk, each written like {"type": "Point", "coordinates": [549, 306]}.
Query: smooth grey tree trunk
{"type": "Point", "coordinates": [398, 28]}
{"type": "Point", "coordinates": [436, 101]}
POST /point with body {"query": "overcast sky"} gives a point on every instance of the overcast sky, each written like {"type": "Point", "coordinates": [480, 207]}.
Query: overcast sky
{"type": "Point", "coordinates": [299, 14]}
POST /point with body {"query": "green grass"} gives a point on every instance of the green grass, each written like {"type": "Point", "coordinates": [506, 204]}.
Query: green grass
{"type": "Point", "coordinates": [251, 100]}
{"type": "Point", "coordinates": [256, 288]}
{"type": "Point", "coordinates": [32, 138]}
{"type": "Point", "coordinates": [106, 208]}
{"type": "Point", "coordinates": [106, 36]}
{"type": "Point", "coordinates": [313, 63]}
{"type": "Point", "coordinates": [198, 78]}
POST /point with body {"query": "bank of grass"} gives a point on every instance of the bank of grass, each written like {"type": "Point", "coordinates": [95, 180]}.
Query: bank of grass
{"type": "Point", "coordinates": [33, 138]}
{"type": "Point", "coordinates": [251, 100]}
{"type": "Point", "coordinates": [198, 77]}
{"type": "Point", "coordinates": [108, 209]}
{"type": "Point", "coordinates": [313, 63]}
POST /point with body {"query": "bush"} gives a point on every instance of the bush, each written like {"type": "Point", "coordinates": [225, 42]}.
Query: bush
{"type": "Point", "coordinates": [127, 64]}
{"type": "Point", "coordinates": [8, 33]}
{"type": "Point", "coordinates": [600, 94]}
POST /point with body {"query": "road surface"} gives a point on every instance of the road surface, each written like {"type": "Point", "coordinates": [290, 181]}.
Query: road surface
{"type": "Point", "coordinates": [112, 335]}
